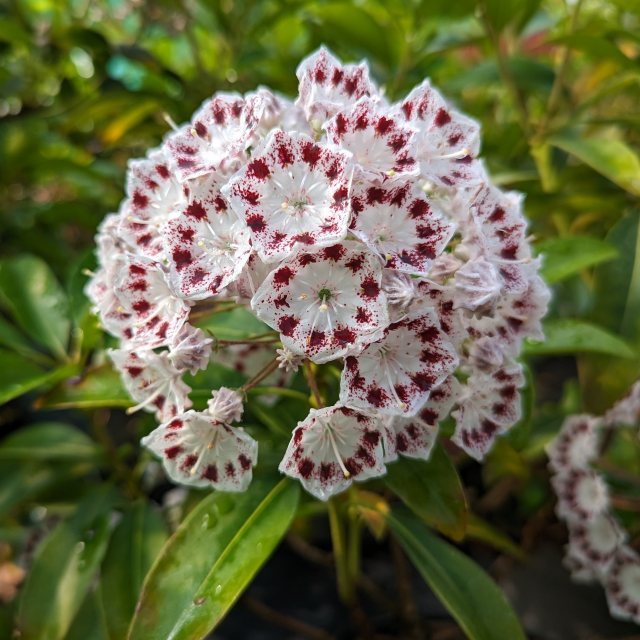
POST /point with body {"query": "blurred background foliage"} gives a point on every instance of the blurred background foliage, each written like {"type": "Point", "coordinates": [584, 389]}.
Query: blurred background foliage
{"type": "Point", "coordinates": [86, 85]}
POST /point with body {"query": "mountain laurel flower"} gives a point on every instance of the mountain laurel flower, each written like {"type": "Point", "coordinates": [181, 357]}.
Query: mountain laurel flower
{"type": "Point", "coordinates": [598, 549]}
{"type": "Point", "coordinates": [366, 234]}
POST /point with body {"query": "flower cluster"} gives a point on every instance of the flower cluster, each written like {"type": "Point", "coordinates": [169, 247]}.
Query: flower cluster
{"type": "Point", "coordinates": [597, 549]}
{"type": "Point", "coordinates": [360, 231]}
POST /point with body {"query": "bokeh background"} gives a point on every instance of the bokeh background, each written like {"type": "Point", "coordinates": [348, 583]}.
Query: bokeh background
{"type": "Point", "coordinates": [86, 85]}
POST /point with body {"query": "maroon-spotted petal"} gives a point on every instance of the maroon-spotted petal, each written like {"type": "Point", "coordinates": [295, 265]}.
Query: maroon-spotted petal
{"type": "Point", "coordinates": [198, 451]}
{"type": "Point", "coordinates": [206, 245]}
{"type": "Point", "coordinates": [381, 143]}
{"type": "Point", "coordinates": [395, 375]}
{"type": "Point", "coordinates": [326, 303]}
{"type": "Point", "coordinates": [152, 381]}
{"type": "Point", "coordinates": [333, 447]}
{"type": "Point", "coordinates": [399, 223]}
{"type": "Point", "coordinates": [293, 194]}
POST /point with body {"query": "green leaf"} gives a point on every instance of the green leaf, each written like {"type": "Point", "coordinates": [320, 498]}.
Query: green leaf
{"type": "Point", "coordinates": [20, 482]}
{"type": "Point", "coordinates": [32, 295]}
{"type": "Point", "coordinates": [568, 335]}
{"type": "Point", "coordinates": [479, 529]}
{"type": "Point", "coordinates": [100, 387]}
{"type": "Point", "coordinates": [432, 490]}
{"type": "Point", "coordinates": [210, 560]}
{"type": "Point", "coordinates": [239, 324]}
{"type": "Point", "coordinates": [611, 158]}
{"type": "Point", "coordinates": [469, 594]}
{"type": "Point", "coordinates": [566, 256]}
{"type": "Point", "coordinates": [91, 622]}
{"type": "Point", "coordinates": [135, 544]}
{"type": "Point", "coordinates": [49, 441]}
{"type": "Point", "coordinates": [63, 568]}
{"type": "Point", "coordinates": [19, 375]}
{"type": "Point", "coordinates": [16, 341]}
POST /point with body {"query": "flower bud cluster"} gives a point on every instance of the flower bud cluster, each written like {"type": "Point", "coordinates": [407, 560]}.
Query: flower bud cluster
{"type": "Point", "coordinates": [598, 550]}
{"type": "Point", "coordinates": [363, 232]}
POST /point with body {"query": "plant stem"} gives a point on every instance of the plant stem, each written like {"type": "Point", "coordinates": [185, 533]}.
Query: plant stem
{"type": "Point", "coordinates": [353, 546]}
{"type": "Point", "coordinates": [312, 381]}
{"type": "Point", "coordinates": [345, 584]}
{"type": "Point", "coordinates": [260, 376]}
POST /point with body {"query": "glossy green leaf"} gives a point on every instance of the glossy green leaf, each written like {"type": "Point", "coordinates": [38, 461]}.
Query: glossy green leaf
{"type": "Point", "coordinates": [565, 256]}
{"type": "Point", "coordinates": [16, 341]}
{"type": "Point", "coordinates": [432, 490]}
{"type": "Point", "coordinates": [100, 387]}
{"type": "Point", "coordinates": [210, 560]}
{"type": "Point", "coordinates": [49, 441]}
{"type": "Point", "coordinates": [610, 157]}
{"type": "Point", "coordinates": [63, 568]}
{"type": "Point", "coordinates": [568, 335]}
{"type": "Point", "coordinates": [468, 593]}
{"type": "Point", "coordinates": [135, 544]}
{"type": "Point", "coordinates": [19, 375]}
{"type": "Point", "coordinates": [32, 295]}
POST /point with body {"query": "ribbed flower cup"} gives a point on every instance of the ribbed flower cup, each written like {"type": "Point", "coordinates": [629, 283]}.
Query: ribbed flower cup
{"type": "Point", "coordinates": [365, 234]}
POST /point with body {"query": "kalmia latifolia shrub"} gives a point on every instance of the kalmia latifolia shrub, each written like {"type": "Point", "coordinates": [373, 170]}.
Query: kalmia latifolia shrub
{"type": "Point", "coordinates": [367, 234]}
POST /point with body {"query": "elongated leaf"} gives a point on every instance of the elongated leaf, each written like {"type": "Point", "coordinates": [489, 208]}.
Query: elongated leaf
{"type": "Point", "coordinates": [91, 621]}
{"type": "Point", "coordinates": [134, 546]}
{"type": "Point", "coordinates": [15, 340]}
{"type": "Point", "coordinates": [101, 387]}
{"type": "Point", "coordinates": [36, 300]}
{"type": "Point", "coordinates": [49, 441]}
{"type": "Point", "coordinates": [470, 595]}
{"type": "Point", "coordinates": [432, 490]}
{"type": "Point", "coordinates": [20, 482]}
{"type": "Point", "coordinates": [479, 529]}
{"type": "Point", "coordinates": [63, 568]}
{"type": "Point", "coordinates": [18, 375]}
{"type": "Point", "coordinates": [566, 336]}
{"type": "Point", "coordinates": [211, 558]}
{"type": "Point", "coordinates": [566, 256]}
{"type": "Point", "coordinates": [611, 158]}
{"type": "Point", "coordinates": [616, 307]}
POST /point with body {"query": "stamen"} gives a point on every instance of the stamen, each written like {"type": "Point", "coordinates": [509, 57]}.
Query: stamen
{"type": "Point", "coordinates": [461, 153]}
{"type": "Point", "coordinates": [169, 120]}
{"type": "Point", "coordinates": [336, 452]}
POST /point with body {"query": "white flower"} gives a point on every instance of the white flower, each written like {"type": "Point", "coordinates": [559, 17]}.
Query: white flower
{"type": "Point", "coordinates": [197, 450]}
{"type": "Point", "coordinates": [395, 375]}
{"type": "Point", "coordinates": [332, 447]}
{"type": "Point", "coordinates": [293, 194]}
{"type": "Point", "coordinates": [225, 405]}
{"type": "Point", "coordinates": [623, 585]}
{"type": "Point", "coordinates": [288, 360]}
{"type": "Point", "coordinates": [190, 349]}
{"type": "Point", "coordinates": [400, 224]}
{"type": "Point", "coordinates": [582, 495]}
{"type": "Point", "coordinates": [326, 86]}
{"type": "Point", "coordinates": [326, 303]}
{"type": "Point", "coordinates": [152, 381]}
{"type": "Point", "coordinates": [576, 446]}
{"type": "Point", "coordinates": [206, 245]}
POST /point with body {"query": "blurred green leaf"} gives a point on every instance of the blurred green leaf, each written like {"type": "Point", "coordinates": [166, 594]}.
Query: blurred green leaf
{"type": "Point", "coordinates": [19, 375]}
{"type": "Point", "coordinates": [481, 530]}
{"type": "Point", "coordinates": [49, 441]}
{"type": "Point", "coordinates": [32, 295]}
{"type": "Point", "coordinates": [211, 558]}
{"type": "Point", "coordinates": [432, 490]}
{"type": "Point", "coordinates": [135, 544]}
{"type": "Point", "coordinates": [611, 158]}
{"type": "Point", "coordinates": [100, 387]}
{"type": "Point", "coordinates": [20, 482]}
{"type": "Point", "coordinates": [469, 594]}
{"type": "Point", "coordinates": [239, 324]}
{"type": "Point", "coordinates": [91, 621]}
{"type": "Point", "coordinates": [63, 568]}
{"type": "Point", "coordinates": [568, 335]}
{"type": "Point", "coordinates": [565, 256]}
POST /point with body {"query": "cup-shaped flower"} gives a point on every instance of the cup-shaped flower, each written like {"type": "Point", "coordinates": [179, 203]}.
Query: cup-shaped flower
{"type": "Point", "coordinates": [325, 303]}
{"type": "Point", "coordinates": [333, 447]}
{"type": "Point", "coordinates": [293, 194]}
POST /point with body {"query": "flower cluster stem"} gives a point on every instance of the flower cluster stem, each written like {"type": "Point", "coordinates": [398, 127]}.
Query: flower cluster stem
{"type": "Point", "coordinates": [346, 586]}
{"type": "Point", "coordinates": [260, 376]}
